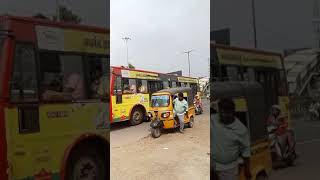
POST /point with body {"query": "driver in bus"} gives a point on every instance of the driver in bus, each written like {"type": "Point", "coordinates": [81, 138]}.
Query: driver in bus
{"type": "Point", "coordinates": [73, 89]}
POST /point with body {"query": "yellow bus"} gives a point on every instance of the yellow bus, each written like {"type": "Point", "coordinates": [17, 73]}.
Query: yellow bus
{"type": "Point", "coordinates": [54, 114]}
{"type": "Point", "coordinates": [240, 64]}
{"type": "Point", "coordinates": [131, 90]}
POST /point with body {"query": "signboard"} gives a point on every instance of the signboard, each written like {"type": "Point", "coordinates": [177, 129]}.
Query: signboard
{"type": "Point", "coordinates": [238, 57]}
{"type": "Point", "coordinates": [58, 39]}
{"type": "Point", "coordinates": [187, 80]}
{"type": "Point", "coordinates": [139, 75]}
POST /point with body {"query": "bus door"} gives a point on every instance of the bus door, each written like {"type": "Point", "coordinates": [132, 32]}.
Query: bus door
{"type": "Point", "coordinates": [118, 89]}
{"type": "Point", "coordinates": [23, 117]}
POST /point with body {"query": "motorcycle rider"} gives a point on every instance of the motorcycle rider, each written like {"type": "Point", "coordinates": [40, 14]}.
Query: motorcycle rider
{"type": "Point", "coordinates": [279, 122]}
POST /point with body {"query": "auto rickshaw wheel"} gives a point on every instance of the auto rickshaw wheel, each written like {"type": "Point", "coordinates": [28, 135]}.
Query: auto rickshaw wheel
{"type": "Point", "coordinates": [156, 132]}
{"type": "Point", "coordinates": [191, 122]}
{"type": "Point", "coordinates": [136, 116]}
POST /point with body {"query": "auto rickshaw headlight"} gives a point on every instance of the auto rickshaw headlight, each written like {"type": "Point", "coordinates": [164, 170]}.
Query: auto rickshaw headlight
{"type": "Point", "coordinates": [150, 114]}
{"type": "Point", "coordinates": [165, 114]}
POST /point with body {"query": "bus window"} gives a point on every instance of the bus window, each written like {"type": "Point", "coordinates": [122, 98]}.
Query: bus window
{"type": "Point", "coordinates": [129, 86]}
{"type": "Point", "coordinates": [154, 86]}
{"type": "Point", "coordinates": [173, 84]}
{"type": "Point", "coordinates": [142, 86]}
{"type": "Point", "coordinates": [165, 84]}
{"type": "Point", "coordinates": [97, 77]}
{"type": "Point", "coordinates": [63, 77]}
{"type": "Point", "coordinates": [24, 81]}
{"type": "Point", "coordinates": [248, 74]}
{"type": "Point", "coordinates": [233, 73]}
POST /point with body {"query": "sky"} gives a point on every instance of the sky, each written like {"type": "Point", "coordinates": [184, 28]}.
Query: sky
{"type": "Point", "coordinates": [91, 13]}
{"type": "Point", "coordinates": [280, 25]}
{"type": "Point", "coordinates": [161, 31]}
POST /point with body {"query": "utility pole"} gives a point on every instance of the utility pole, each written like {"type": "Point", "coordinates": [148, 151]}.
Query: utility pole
{"type": "Point", "coordinates": [254, 23]}
{"type": "Point", "coordinates": [126, 39]}
{"type": "Point", "coordinates": [58, 10]}
{"type": "Point", "coordinates": [188, 52]}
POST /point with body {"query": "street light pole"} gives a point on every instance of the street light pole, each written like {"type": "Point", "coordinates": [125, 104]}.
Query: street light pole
{"type": "Point", "coordinates": [58, 10]}
{"type": "Point", "coordinates": [126, 39]}
{"type": "Point", "coordinates": [254, 23]}
{"type": "Point", "coordinates": [188, 52]}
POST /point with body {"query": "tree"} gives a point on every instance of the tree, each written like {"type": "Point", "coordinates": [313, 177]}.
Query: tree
{"type": "Point", "coordinates": [130, 66]}
{"type": "Point", "coordinates": [66, 15]}
{"type": "Point", "coordinates": [40, 16]}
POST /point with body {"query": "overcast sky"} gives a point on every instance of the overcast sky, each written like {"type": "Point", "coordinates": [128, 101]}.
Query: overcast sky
{"type": "Point", "coordinates": [280, 24]}
{"type": "Point", "coordinates": [93, 12]}
{"type": "Point", "coordinates": [161, 30]}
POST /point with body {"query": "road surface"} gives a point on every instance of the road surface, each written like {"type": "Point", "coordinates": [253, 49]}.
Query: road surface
{"type": "Point", "coordinates": [135, 155]}
{"type": "Point", "coordinates": [307, 166]}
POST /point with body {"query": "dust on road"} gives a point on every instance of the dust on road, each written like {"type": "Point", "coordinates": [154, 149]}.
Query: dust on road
{"type": "Point", "coordinates": [172, 156]}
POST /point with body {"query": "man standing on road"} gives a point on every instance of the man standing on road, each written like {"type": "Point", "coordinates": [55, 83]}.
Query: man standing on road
{"type": "Point", "coordinates": [229, 142]}
{"type": "Point", "coordinates": [180, 109]}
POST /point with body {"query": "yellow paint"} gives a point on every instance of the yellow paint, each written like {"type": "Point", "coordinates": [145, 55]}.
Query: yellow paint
{"type": "Point", "coordinates": [86, 42]}
{"type": "Point", "coordinates": [260, 161]}
{"type": "Point", "coordinates": [139, 75]}
{"type": "Point", "coordinates": [241, 104]}
{"type": "Point", "coordinates": [187, 80]}
{"type": "Point", "coordinates": [240, 57]}
{"type": "Point", "coordinates": [28, 153]}
{"type": "Point", "coordinates": [128, 102]}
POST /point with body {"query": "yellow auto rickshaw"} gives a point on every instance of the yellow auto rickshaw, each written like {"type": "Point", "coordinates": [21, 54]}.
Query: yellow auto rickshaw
{"type": "Point", "coordinates": [252, 111]}
{"type": "Point", "coordinates": [161, 110]}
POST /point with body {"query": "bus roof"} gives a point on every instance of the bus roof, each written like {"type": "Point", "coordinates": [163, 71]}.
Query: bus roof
{"type": "Point", "coordinates": [146, 71]}
{"type": "Point", "coordinates": [251, 50]}
{"type": "Point", "coordinates": [39, 21]}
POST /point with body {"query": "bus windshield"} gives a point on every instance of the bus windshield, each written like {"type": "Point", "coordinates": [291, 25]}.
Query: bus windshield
{"type": "Point", "coordinates": [160, 101]}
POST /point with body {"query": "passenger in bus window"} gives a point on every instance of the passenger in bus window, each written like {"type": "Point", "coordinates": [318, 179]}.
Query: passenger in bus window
{"type": "Point", "coordinates": [133, 89]}
{"type": "Point", "coordinates": [126, 89]}
{"type": "Point", "coordinates": [142, 89]}
{"type": "Point", "coordinates": [96, 82]}
{"type": "Point", "coordinates": [73, 89]}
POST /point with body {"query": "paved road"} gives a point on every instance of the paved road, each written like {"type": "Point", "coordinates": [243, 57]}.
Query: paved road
{"type": "Point", "coordinates": [308, 163]}
{"type": "Point", "coordinates": [135, 155]}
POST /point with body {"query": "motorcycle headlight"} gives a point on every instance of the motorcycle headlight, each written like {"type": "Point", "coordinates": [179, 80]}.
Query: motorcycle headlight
{"type": "Point", "coordinates": [150, 114]}
{"type": "Point", "coordinates": [165, 115]}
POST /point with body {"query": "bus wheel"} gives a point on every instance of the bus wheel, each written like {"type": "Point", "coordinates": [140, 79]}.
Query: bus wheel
{"type": "Point", "coordinates": [136, 116]}
{"type": "Point", "coordinates": [191, 122]}
{"type": "Point", "coordinates": [86, 164]}
{"type": "Point", "coordinates": [156, 132]}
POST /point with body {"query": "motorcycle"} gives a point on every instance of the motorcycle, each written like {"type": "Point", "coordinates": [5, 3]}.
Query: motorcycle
{"type": "Point", "coordinates": [199, 108]}
{"type": "Point", "coordinates": [280, 154]}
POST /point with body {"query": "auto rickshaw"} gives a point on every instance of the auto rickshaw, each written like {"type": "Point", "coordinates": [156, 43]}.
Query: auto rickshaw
{"type": "Point", "coordinates": [251, 110]}
{"type": "Point", "coordinates": [161, 110]}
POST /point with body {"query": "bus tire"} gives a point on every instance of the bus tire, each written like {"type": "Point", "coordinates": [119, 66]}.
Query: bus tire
{"type": "Point", "coordinates": [86, 162]}
{"type": "Point", "coordinates": [137, 116]}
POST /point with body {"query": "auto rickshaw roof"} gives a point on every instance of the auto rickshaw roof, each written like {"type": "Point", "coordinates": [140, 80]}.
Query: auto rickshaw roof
{"type": "Point", "coordinates": [235, 89]}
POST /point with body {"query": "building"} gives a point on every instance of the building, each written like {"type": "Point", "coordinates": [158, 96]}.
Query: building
{"type": "Point", "coordinates": [303, 70]}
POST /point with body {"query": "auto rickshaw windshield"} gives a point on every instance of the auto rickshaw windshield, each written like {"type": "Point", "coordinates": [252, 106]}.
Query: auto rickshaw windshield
{"type": "Point", "coordinates": [160, 101]}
